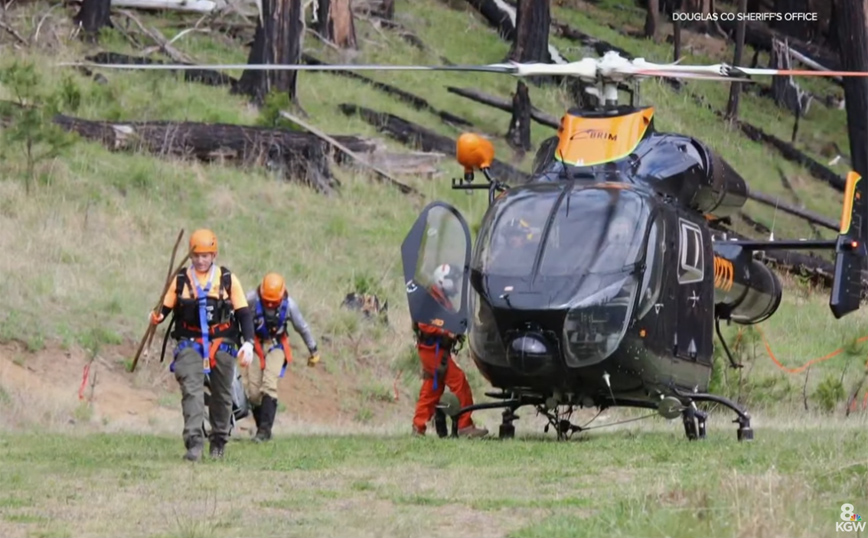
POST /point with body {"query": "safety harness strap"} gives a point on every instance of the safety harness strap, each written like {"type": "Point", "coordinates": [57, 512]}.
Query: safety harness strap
{"type": "Point", "coordinates": [209, 359]}
{"type": "Point", "coordinates": [263, 334]}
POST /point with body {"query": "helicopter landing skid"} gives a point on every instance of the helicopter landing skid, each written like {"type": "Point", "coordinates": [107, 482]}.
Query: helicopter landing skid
{"type": "Point", "coordinates": [697, 418]}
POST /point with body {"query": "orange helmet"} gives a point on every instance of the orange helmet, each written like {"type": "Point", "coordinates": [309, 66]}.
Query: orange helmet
{"type": "Point", "coordinates": [203, 241]}
{"type": "Point", "coordinates": [272, 288]}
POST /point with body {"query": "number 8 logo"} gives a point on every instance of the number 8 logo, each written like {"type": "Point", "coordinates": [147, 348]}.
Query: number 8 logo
{"type": "Point", "coordinates": [846, 511]}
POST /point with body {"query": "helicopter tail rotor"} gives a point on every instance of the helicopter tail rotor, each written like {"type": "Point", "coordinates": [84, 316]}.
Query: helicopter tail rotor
{"type": "Point", "coordinates": [850, 249]}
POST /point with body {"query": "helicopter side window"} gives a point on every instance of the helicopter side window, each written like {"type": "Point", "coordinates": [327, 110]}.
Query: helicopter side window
{"type": "Point", "coordinates": [691, 262]}
{"type": "Point", "coordinates": [652, 280]}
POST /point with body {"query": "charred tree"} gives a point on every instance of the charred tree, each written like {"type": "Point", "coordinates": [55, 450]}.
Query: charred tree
{"type": "Point", "coordinates": [800, 29]}
{"type": "Point", "coordinates": [652, 18]}
{"type": "Point", "coordinates": [335, 22]}
{"type": "Point", "coordinates": [92, 17]}
{"type": "Point", "coordinates": [735, 87]}
{"type": "Point", "coordinates": [786, 92]}
{"type": "Point", "coordinates": [388, 9]}
{"type": "Point", "coordinates": [531, 43]}
{"type": "Point", "coordinates": [851, 19]}
{"type": "Point", "coordinates": [278, 41]}
{"type": "Point", "coordinates": [670, 7]}
{"type": "Point", "coordinates": [518, 135]}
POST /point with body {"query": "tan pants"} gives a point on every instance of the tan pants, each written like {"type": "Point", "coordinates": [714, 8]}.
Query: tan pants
{"type": "Point", "coordinates": [258, 382]}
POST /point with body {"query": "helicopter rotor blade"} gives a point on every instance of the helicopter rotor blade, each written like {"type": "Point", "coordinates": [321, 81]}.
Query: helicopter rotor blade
{"type": "Point", "coordinates": [611, 67]}
{"type": "Point", "coordinates": [492, 68]}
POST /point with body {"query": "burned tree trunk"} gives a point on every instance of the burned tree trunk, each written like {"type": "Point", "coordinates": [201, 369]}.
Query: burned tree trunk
{"type": "Point", "coordinates": [92, 17]}
{"type": "Point", "coordinates": [335, 22]}
{"type": "Point", "coordinates": [851, 19]}
{"type": "Point", "coordinates": [795, 27]}
{"type": "Point", "coordinates": [278, 41]}
{"type": "Point", "coordinates": [735, 87]}
{"type": "Point", "coordinates": [786, 92]}
{"type": "Point", "coordinates": [531, 43]}
{"type": "Point", "coordinates": [518, 135]}
{"type": "Point", "coordinates": [670, 7]}
{"type": "Point", "coordinates": [652, 18]}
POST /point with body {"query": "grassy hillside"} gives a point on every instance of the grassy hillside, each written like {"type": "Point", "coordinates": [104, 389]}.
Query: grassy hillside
{"type": "Point", "coordinates": [85, 251]}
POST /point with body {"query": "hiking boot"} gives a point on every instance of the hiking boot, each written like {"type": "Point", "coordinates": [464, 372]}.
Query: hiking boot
{"type": "Point", "coordinates": [267, 411]}
{"type": "Point", "coordinates": [472, 431]}
{"type": "Point", "coordinates": [216, 451]}
{"type": "Point", "coordinates": [194, 450]}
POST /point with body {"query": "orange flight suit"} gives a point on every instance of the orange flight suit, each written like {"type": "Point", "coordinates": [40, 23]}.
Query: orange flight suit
{"type": "Point", "coordinates": [432, 355]}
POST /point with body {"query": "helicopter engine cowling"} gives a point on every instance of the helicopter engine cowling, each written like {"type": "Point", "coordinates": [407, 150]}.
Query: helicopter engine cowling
{"type": "Point", "coordinates": [745, 290]}
{"type": "Point", "coordinates": [723, 192]}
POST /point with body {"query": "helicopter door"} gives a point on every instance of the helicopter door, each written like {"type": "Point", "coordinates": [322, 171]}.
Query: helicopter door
{"type": "Point", "coordinates": [693, 301]}
{"type": "Point", "coordinates": [436, 258]}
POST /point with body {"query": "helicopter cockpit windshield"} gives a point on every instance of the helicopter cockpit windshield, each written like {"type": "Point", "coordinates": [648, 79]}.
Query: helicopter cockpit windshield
{"type": "Point", "coordinates": [581, 238]}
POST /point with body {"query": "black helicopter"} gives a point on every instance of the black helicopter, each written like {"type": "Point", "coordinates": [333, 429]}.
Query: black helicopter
{"type": "Point", "coordinates": [599, 282]}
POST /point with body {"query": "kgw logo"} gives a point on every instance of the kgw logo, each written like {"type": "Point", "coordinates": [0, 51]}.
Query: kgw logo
{"type": "Point", "coordinates": [852, 520]}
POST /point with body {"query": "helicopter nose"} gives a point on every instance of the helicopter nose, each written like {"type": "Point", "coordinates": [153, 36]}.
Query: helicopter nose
{"type": "Point", "coordinates": [530, 352]}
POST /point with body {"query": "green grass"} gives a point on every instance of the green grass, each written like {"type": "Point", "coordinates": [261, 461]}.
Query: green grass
{"type": "Point", "coordinates": [84, 255]}
{"type": "Point", "coordinates": [636, 481]}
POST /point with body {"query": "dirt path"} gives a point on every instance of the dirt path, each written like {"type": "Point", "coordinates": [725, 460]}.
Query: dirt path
{"type": "Point", "coordinates": [45, 388]}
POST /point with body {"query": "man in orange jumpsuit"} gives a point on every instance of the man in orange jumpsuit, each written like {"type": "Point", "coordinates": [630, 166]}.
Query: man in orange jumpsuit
{"type": "Point", "coordinates": [436, 347]}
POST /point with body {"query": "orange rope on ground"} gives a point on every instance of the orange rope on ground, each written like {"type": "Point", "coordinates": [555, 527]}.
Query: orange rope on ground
{"type": "Point", "coordinates": [807, 364]}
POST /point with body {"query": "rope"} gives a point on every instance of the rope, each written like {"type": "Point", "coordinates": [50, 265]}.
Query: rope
{"type": "Point", "coordinates": [802, 367]}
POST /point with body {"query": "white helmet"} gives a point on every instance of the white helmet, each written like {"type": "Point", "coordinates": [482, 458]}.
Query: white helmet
{"type": "Point", "coordinates": [446, 278]}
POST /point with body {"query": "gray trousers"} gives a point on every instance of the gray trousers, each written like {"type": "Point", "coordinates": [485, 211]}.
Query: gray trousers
{"type": "Point", "coordinates": [191, 378]}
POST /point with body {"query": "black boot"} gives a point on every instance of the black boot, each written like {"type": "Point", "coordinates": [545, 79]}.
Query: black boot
{"type": "Point", "coordinates": [256, 412]}
{"type": "Point", "coordinates": [266, 419]}
{"type": "Point", "coordinates": [195, 447]}
{"type": "Point", "coordinates": [216, 448]}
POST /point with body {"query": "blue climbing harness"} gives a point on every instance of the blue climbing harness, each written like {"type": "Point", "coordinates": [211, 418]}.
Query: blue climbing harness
{"type": "Point", "coordinates": [184, 344]}
{"type": "Point", "coordinates": [262, 328]}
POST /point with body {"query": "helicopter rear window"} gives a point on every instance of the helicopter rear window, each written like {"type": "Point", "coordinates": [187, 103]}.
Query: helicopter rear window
{"type": "Point", "coordinates": [595, 231]}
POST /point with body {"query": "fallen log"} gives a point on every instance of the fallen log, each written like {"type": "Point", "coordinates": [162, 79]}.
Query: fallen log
{"type": "Point", "coordinates": [300, 156]}
{"type": "Point", "coordinates": [808, 215]}
{"type": "Point", "coordinates": [786, 150]}
{"type": "Point", "coordinates": [188, 6]}
{"type": "Point", "coordinates": [415, 101]}
{"type": "Point", "coordinates": [503, 104]}
{"type": "Point", "coordinates": [792, 154]}
{"type": "Point", "coordinates": [379, 173]}
{"type": "Point", "coordinates": [753, 223]}
{"type": "Point", "coordinates": [209, 77]}
{"type": "Point", "coordinates": [789, 186]}
{"type": "Point", "coordinates": [415, 135]}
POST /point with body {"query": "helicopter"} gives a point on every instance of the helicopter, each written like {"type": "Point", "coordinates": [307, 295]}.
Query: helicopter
{"type": "Point", "coordinates": [601, 280]}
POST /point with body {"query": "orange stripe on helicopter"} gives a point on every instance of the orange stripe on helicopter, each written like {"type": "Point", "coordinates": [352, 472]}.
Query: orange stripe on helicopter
{"type": "Point", "coordinates": [590, 141]}
{"type": "Point", "coordinates": [723, 273]}
{"type": "Point", "coordinates": [850, 197]}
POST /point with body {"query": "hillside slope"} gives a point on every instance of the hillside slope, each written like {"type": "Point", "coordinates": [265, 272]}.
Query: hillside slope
{"type": "Point", "coordinates": [85, 251]}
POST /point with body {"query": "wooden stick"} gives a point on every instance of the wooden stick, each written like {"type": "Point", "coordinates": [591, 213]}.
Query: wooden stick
{"type": "Point", "coordinates": [152, 328]}
{"type": "Point", "coordinates": [168, 276]}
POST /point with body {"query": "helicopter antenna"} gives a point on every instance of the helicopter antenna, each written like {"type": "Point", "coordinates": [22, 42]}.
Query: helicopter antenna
{"type": "Point", "coordinates": [774, 220]}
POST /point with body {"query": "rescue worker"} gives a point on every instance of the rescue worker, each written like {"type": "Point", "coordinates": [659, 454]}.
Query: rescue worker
{"type": "Point", "coordinates": [436, 347]}
{"type": "Point", "coordinates": [209, 305]}
{"type": "Point", "coordinates": [272, 309]}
